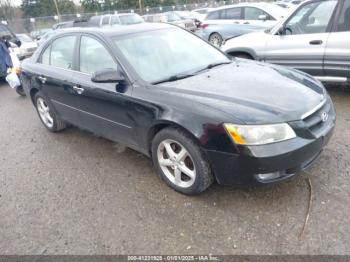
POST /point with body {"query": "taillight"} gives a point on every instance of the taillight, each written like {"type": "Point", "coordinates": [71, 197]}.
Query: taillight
{"type": "Point", "coordinates": [203, 26]}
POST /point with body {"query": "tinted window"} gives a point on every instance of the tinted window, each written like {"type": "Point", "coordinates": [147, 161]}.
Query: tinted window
{"type": "Point", "coordinates": [231, 13]}
{"type": "Point", "coordinates": [252, 13]}
{"type": "Point", "coordinates": [114, 20]}
{"type": "Point", "coordinates": [344, 19]}
{"type": "Point", "coordinates": [105, 20]}
{"type": "Point", "coordinates": [94, 56]}
{"type": "Point", "coordinates": [213, 15]}
{"type": "Point", "coordinates": [62, 51]}
{"type": "Point", "coordinates": [311, 18]}
{"type": "Point", "coordinates": [130, 19]}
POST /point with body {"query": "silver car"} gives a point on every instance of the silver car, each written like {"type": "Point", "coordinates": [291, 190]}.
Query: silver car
{"type": "Point", "coordinates": [315, 38]}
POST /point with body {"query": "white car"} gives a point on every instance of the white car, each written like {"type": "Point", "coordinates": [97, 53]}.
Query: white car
{"type": "Point", "coordinates": [27, 47]}
{"type": "Point", "coordinates": [315, 39]}
{"type": "Point", "coordinates": [201, 13]}
{"type": "Point", "coordinates": [256, 14]}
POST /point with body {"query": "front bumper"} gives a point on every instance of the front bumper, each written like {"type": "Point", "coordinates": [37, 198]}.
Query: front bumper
{"type": "Point", "coordinates": [243, 168]}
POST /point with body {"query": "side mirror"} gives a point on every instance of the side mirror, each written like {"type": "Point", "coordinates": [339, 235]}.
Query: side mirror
{"type": "Point", "coordinates": [110, 75]}
{"type": "Point", "coordinates": [107, 75]}
{"type": "Point", "coordinates": [262, 17]}
{"type": "Point", "coordinates": [282, 31]}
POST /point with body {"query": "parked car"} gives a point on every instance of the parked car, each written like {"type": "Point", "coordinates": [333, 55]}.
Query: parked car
{"type": "Point", "coordinates": [255, 14]}
{"type": "Point", "coordinates": [201, 119]}
{"type": "Point", "coordinates": [216, 34]}
{"type": "Point", "coordinates": [8, 35]}
{"type": "Point", "coordinates": [74, 23]}
{"type": "Point", "coordinates": [27, 47]}
{"type": "Point", "coordinates": [47, 35]}
{"type": "Point", "coordinates": [234, 20]}
{"type": "Point", "coordinates": [116, 19]}
{"type": "Point", "coordinates": [37, 34]}
{"type": "Point", "coordinates": [315, 39]}
{"type": "Point", "coordinates": [201, 13]}
{"type": "Point", "coordinates": [172, 18]}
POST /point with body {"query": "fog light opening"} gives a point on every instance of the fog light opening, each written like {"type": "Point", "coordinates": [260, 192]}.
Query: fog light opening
{"type": "Point", "coordinates": [268, 176]}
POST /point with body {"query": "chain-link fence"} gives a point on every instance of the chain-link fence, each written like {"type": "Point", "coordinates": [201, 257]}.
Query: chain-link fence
{"type": "Point", "coordinates": [28, 25]}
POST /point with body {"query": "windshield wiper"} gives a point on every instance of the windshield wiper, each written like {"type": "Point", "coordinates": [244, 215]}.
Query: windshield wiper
{"type": "Point", "coordinates": [173, 78]}
{"type": "Point", "coordinates": [210, 66]}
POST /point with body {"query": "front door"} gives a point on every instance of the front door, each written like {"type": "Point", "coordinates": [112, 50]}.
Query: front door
{"type": "Point", "coordinates": [337, 57]}
{"type": "Point", "coordinates": [99, 107]}
{"type": "Point", "coordinates": [302, 44]}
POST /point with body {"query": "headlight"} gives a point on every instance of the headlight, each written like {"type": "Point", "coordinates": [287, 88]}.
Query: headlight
{"type": "Point", "coordinates": [259, 134]}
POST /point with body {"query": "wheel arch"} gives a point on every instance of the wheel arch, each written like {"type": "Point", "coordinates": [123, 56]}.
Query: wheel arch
{"type": "Point", "coordinates": [32, 93]}
{"type": "Point", "coordinates": [246, 51]}
{"type": "Point", "coordinates": [162, 124]}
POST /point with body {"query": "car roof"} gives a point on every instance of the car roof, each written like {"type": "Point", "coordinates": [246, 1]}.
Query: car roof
{"type": "Point", "coordinates": [274, 10]}
{"type": "Point", "coordinates": [110, 31]}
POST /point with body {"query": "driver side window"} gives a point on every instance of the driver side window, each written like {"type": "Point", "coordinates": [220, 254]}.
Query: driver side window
{"type": "Point", "coordinates": [312, 18]}
{"type": "Point", "coordinates": [94, 56]}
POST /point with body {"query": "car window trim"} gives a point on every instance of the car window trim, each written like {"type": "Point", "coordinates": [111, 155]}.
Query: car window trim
{"type": "Point", "coordinates": [336, 20]}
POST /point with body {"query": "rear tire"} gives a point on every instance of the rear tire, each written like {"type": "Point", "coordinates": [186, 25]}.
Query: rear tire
{"type": "Point", "coordinates": [215, 39]}
{"type": "Point", "coordinates": [47, 116]}
{"type": "Point", "coordinates": [180, 162]}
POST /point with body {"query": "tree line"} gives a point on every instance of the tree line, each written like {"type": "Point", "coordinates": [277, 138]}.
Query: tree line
{"type": "Point", "coordinates": [40, 8]}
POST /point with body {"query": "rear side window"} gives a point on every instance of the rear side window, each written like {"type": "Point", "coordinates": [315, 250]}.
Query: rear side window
{"type": "Point", "coordinates": [344, 18]}
{"type": "Point", "coordinates": [60, 53]}
{"type": "Point", "coordinates": [115, 20]}
{"type": "Point", "coordinates": [213, 15]}
{"type": "Point", "coordinates": [232, 13]}
{"type": "Point", "coordinates": [252, 13]}
{"type": "Point", "coordinates": [94, 56]}
{"type": "Point", "coordinates": [105, 20]}
{"type": "Point", "coordinates": [4, 31]}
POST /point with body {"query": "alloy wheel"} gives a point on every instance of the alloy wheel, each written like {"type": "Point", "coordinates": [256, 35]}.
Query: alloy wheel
{"type": "Point", "coordinates": [176, 163]}
{"type": "Point", "coordinates": [44, 112]}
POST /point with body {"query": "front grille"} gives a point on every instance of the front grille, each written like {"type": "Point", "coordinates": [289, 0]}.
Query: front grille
{"type": "Point", "coordinates": [317, 122]}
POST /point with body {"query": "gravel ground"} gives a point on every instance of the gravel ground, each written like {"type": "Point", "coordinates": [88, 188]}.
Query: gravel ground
{"type": "Point", "coordinates": [75, 193]}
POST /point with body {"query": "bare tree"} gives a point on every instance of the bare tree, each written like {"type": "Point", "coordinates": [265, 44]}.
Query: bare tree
{"type": "Point", "coordinates": [7, 9]}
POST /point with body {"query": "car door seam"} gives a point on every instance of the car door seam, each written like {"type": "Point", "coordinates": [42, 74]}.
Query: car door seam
{"type": "Point", "coordinates": [106, 119]}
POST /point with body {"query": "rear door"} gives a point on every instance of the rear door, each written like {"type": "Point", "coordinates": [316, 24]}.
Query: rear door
{"type": "Point", "coordinates": [257, 17]}
{"type": "Point", "coordinates": [55, 70]}
{"type": "Point", "coordinates": [303, 43]}
{"type": "Point", "coordinates": [225, 16]}
{"type": "Point", "coordinates": [337, 57]}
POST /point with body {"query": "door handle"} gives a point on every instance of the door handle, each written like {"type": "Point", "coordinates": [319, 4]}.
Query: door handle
{"type": "Point", "coordinates": [79, 90]}
{"type": "Point", "coordinates": [236, 22]}
{"type": "Point", "coordinates": [316, 42]}
{"type": "Point", "coordinates": [246, 23]}
{"type": "Point", "coordinates": [42, 79]}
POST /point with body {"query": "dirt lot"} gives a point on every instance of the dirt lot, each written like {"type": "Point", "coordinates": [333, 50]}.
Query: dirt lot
{"type": "Point", "coordinates": [75, 193]}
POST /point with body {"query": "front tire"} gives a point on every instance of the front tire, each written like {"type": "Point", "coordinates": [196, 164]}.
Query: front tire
{"type": "Point", "coordinates": [47, 116]}
{"type": "Point", "coordinates": [180, 162]}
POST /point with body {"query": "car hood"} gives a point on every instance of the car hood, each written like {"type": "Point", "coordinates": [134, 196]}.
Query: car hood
{"type": "Point", "coordinates": [253, 92]}
{"type": "Point", "coordinates": [252, 40]}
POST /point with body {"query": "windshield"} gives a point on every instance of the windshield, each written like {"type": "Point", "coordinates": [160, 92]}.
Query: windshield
{"type": "Point", "coordinates": [130, 19]}
{"type": "Point", "coordinates": [24, 38]}
{"type": "Point", "coordinates": [160, 54]}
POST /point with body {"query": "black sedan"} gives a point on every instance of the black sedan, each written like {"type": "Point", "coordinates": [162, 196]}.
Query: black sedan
{"type": "Point", "coordinates": [170, 95]}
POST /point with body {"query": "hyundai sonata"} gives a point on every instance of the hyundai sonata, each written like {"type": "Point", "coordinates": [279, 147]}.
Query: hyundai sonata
{"type": "Point", "coordinates": [163, 91]}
